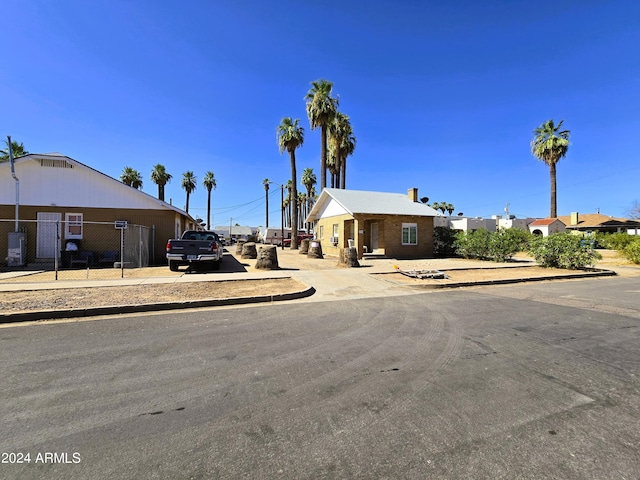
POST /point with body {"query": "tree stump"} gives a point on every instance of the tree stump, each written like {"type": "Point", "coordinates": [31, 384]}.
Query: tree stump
{"type": "Point", "coordinates": [267, 257]}
{"type": "Point", "coordinates": [239, 246]}
{"type": "Point", "coordinates": [315, 249]}
{"type": "Point", "coordinates": [304, 246]}
{"type": "Point", "coordinates": [249, 250]}
{"type": "Point", "coordinates": [349, 257]}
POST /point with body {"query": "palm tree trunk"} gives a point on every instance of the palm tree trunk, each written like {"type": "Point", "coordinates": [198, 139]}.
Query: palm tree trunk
{"type": "Point", "coordinates": [294, 201]}
{"type": "Point", "coordinates": [343, 177]}
{"type": "Point", "coordinates": [554, 203]}
{"type": "Point", "coordinates": [161, 192]}
{"type": "Point", "coordinates": [323, 157]}
{"type": "Point", "coordinates": [187, 205]}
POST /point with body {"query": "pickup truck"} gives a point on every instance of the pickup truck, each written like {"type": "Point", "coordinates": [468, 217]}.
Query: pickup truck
{"type": "Point", "coordinates": [196, 249]}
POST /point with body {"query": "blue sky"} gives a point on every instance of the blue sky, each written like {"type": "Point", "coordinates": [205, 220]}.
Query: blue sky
{"type": "Point", "coordinates": [443, 96]}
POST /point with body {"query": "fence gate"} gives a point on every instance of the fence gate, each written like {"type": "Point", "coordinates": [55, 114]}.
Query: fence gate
{"type": "Point", "coordinates": [46, 238]}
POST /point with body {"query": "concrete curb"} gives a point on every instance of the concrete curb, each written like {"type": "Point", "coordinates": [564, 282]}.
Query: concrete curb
{"type": "Point", "coordinates": [583, 274]}
{"type": "Point", "coordinates": [150, 307]}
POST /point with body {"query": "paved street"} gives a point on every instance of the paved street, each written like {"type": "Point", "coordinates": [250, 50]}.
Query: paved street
{"type": "Point", "coordinates": [519, 381]}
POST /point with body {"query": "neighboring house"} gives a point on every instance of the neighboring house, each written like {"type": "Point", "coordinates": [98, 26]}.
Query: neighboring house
{"type": "Point", "coordinates": [597, 222]}
{"type": "Point", "coordinates": [53, 187]}
{"type": "Point", "coordinates": [512, 222]}
{"type": "Point", "coordinates": [391, 224]}
{"type": "Point", "coordinates": [546, 226]}
{"type": "Point", "coordinates": [238, 232]}
{"type": "Point", "coordinates": [466, 224]}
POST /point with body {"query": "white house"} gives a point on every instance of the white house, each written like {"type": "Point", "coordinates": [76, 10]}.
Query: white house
{"type": "Point", "coordinates": [546, 226]}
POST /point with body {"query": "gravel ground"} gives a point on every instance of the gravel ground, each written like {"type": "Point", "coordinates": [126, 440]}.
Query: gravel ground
{"type": "Point", "coordinates": [66, 298]}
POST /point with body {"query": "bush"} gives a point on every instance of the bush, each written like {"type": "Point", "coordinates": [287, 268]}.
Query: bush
{"type": "Point", "coordinates": [443, 242]}
{"type": "Point", "coordinates": [614, 241]}
{"type": "Point", "coordinates": [497, 246]}
{"type": "Point", "coordinates": [506, 242]}
{"type": "Point", "coordinates": [563, 250]}
{"type": "Point", "coordinates": [473, 244]}
{"type": "Point", "coordinates": [632, 251]}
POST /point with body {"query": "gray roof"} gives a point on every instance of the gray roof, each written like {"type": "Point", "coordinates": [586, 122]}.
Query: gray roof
{"type": "Point", "coordinates": [359, 201]}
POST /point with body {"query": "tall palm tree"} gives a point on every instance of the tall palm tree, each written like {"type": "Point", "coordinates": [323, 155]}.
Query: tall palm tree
{"type": "Point", "coordinates": [265, 182]}
{"type": "Point", "coordinates": [309, 181]}
{"type": "Point", "coordinates": [131, 177]}
{"type": "Point", "coordinates": [549, 145]}
{"type": "Point", "coordinates": [160, 177]}
{"type": "Point", "coordinates": [209, 182]}
{"type": "Point", "coordinates": [17, 150]}
{"type": "Point", "coordinates": [450, 208]}
{"type": "Point", "coordinates": [189, 183]}
{"type": "Point", "coordinates": [287, 215]}
{"type": "Point", "coordinates": [343, 143]}
{"type": "Point", "coordinates": [321, 108]}
{"type": "Point", "coordinates": [290, 137]}
{"type": "Point", "coordinates": [333, 164]}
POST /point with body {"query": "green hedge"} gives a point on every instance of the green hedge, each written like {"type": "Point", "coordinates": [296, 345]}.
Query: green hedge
{"type": "Point", "coordinates": [498, 246]}
{"type": "Point", "coordinates": [563, 250]}
{"type": "Point", "coordinates": [632, 251]}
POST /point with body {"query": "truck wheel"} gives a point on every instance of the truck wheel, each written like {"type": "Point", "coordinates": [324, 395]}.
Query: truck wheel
{"type": "Point", "coordinates": [173, 266]}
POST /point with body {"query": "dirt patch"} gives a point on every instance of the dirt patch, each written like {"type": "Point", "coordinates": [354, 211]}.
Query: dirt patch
{"type": "Point", "coordinates": [68, 298]}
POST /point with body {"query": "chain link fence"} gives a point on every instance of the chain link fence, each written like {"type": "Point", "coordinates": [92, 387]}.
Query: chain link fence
{"type": "Point", "coordinates": [68, 250]}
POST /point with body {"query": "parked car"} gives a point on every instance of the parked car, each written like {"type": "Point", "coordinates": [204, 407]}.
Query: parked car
{"type": "Point", "coordinates": [195, 248]}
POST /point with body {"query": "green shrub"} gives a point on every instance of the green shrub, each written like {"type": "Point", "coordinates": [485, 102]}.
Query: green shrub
{"type": "Point", "coordinates": [614, 241]}
{"type": "Point", "coordinates": [506, 242]}
{"type": "Point", "coordinates": [563, 250]}
{"type": "Point", "coordinates": [443, 242]}
{"type": "Point", "coordinates": [474, 244]}
{"type": "Point", "coordinates": [632, 251]}
{"type": "Point", "coordinates": [498, 246]}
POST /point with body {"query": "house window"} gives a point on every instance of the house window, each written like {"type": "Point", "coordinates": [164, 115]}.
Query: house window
{"type": "Point", "coordinates": [73, 225]}
{"type": "Point", "coordinates": [321, 229]}
{"type": "Point", "coordinates": [409, 234]}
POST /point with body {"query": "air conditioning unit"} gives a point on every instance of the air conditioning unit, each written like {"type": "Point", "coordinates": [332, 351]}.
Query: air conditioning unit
{"type": "Point", "coordinates": [333, 240]}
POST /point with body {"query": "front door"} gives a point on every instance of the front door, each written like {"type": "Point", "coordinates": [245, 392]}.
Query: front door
{"type": "Point", "coordinates": [47, 234]}
{"type": "Point", "coordinates": [374, 236]}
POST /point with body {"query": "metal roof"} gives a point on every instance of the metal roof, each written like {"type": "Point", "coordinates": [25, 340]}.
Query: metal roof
{"type": "Point", "coordinates": [381, 203]}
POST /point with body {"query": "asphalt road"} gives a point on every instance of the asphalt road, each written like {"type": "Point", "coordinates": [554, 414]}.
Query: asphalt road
{"type": "Point", "coordinates": [527, 381]}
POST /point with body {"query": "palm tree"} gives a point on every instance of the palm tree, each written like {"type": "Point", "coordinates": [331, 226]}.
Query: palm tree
{"type": "Point", "coordinates": [450, 208]}
{"type": "Point", "coordinates": [265, 182]}
{"type": "Point", "coordinates": [309, 180]}
{"type": "Point", "coordinates": [160, 177]}
{"type": "Point", "coordinates": [209, 182]}
{"type": "Point", "coordinates": [131, 177]}
{"type": "Point", "coordinates": [189, 183]}
{"type": "Point", "coordinates": [302, 204]}
{"type": "Point", "coordinates": [343, 143]}
{"type": "Point", "coordinates": [321, 108]}
{"type": "Point", "coordinates": [291, 136]}
{"type": "Point", "coordinates": [549, 145]}
{"type": "Point", "coordinates": [17, 150]}
{"type": "Point", "coordinates": [435, 206]}
{"type": "Point", "coordinates": [333, 164]}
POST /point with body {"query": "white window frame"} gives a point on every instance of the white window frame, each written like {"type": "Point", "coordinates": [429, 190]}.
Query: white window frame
{"type": "Point", "coordinates": [408, 228]}
{"type": "Point", "coordinates": [68, 222]}
{"type": "Point", "coordinates": [321, 232]}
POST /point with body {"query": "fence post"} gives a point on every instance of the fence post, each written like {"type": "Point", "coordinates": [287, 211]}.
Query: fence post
{"type": "Point", "coordinates": [139, 246]}
{"type": "Point", "coordinates": [58, 247]}
{"type": "Point", "coordinates": [122, 253]}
